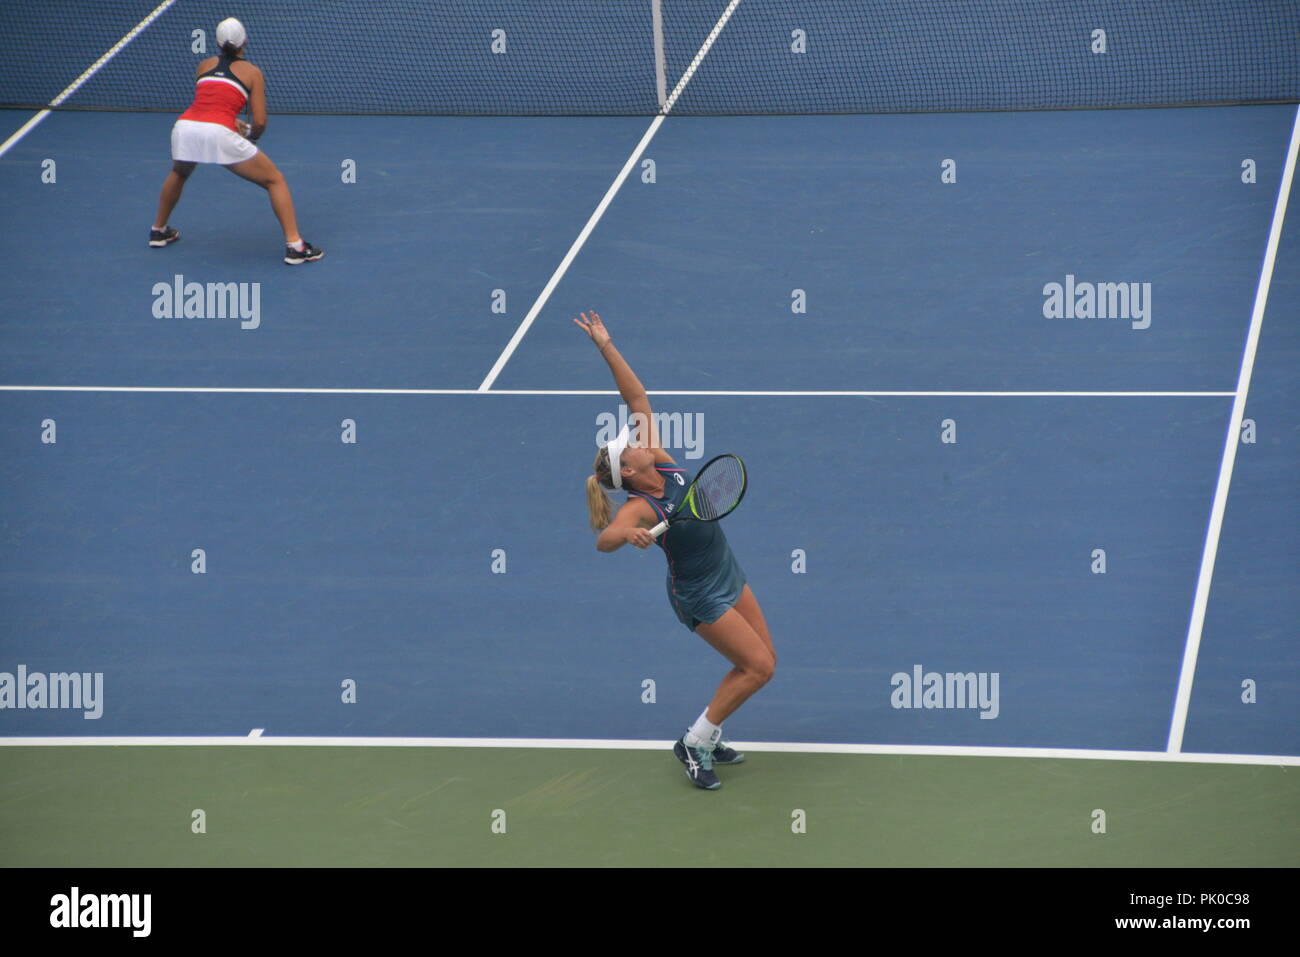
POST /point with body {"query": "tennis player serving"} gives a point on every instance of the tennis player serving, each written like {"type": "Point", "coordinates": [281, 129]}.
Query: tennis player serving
{"type": "Point", "coordinates": [706, 586]}
{"type": "Point", "coordinates": [210, 131]}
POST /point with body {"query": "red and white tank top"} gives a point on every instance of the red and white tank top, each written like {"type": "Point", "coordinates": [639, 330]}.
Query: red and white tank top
{"type": "Point", "coordinates": [219, 96]}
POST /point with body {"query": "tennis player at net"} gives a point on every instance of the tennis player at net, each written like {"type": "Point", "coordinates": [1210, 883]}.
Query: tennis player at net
{"type": "Point", "coordinates": [210, 131]}
{"type": "Point", "coordinates": [706, 586]}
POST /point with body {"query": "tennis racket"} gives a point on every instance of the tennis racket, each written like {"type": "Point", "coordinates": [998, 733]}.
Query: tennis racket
{"type": "Point", "coordinates": [717, 490]}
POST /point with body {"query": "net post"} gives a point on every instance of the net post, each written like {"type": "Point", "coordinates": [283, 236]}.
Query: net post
{"type": "Point", "coordinates": [661, 71]}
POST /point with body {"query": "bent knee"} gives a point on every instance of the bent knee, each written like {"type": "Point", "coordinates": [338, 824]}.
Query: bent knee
{"type": "Point", "coordinates": [763, 669]}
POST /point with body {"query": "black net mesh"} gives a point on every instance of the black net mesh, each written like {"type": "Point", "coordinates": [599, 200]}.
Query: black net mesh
{"type": "Point", "coordinates": [534, 57]}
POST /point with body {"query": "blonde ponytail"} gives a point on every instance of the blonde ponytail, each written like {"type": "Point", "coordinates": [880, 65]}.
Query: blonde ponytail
{"type": "Point", "coordinates": [599, 507]}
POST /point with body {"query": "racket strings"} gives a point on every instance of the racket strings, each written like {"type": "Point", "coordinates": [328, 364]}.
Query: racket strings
{"type": "Point", "coordinates": [718, 488]}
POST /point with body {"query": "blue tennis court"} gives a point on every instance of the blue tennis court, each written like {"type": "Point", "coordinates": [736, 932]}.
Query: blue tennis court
{"type": "Point", "coordinates": [1011, 396]}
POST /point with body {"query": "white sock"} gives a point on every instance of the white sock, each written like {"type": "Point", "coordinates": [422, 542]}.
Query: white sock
{"type": "Point", "coordinates": [298, 245]}
{"type": "Point", "coordinates": [703, 733]}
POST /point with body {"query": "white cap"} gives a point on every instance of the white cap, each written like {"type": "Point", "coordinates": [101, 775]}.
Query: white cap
{"type": "Point", "coordinates": [615, 449]}
{"type": "Point", "coordinates": [231, 31]}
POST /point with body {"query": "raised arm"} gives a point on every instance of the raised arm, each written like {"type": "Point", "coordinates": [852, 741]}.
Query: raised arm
{"type": "Point", "coordinates": [629, 386]}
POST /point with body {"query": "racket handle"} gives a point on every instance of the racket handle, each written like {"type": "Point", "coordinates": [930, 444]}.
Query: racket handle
{"type": "Point", "coordinates": [658, 530]}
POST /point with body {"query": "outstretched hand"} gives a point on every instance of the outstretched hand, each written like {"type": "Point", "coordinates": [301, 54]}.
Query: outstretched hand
{"type": "Point", "coordinates": [595, 328]}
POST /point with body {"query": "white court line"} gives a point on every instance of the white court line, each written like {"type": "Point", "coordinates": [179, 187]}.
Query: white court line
{"type": "Point", "coordinates": [90, 71]}
{"type": "Point", "coordinates": [614, 187]}
{"type": "Point", "coordinates": [611, 392]}
{"type": "Point", "coordinates": [1197, 624]}
{"type": "Point", "coordinates": [602, 744]}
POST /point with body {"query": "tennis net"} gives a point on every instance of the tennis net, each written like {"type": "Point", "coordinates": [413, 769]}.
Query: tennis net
{"type": "Point", "coordinates": [594, 57]}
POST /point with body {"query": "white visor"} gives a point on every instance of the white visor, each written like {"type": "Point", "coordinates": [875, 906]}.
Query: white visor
{"type": "Point", "coordinates": [231, 31]}
{"type": "Point", "coordinates": [615, 457]}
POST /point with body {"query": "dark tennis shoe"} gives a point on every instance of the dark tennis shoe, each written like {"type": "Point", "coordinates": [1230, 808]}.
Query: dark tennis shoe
{"type": "Point", "coordinates": [309, 253]}
{"type": "Point", "coordinates": [699, 765]}
{"type": "Point", "coordinates": [723, 753]}
{"type": "Point", "coordinates": [161, 237]}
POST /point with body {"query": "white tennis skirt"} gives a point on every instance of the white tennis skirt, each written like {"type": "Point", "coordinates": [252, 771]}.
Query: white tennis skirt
{"type": "Point", "coordinates": [195, 142]}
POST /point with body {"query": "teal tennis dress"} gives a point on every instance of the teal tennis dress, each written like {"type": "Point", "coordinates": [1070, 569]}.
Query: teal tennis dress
{"type": "Point", "coordinates": [704, 578]}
